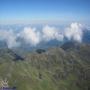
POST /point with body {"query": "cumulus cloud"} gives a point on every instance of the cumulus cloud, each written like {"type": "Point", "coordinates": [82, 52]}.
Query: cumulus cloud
{"type": "Point", "coordinates": [9, 37]}
{"type": "Point", "coordinates": [33, 36]}
{"type": "Point", "coordinates": [50, 33]}
{"type": "Point", "coordinates": [74, 32]}
{"type": "Point", "coordinates": [30, 36]}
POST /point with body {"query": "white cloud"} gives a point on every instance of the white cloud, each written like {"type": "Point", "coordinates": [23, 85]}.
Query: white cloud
{"type": "Point", "coordinates": [9, 37]}
{"type": "Point", "coordinates": [50, 33]}
{"type": "Point", "coordinates": [30, 36]}
{"type": "Point", "coordinates": [74, 32]}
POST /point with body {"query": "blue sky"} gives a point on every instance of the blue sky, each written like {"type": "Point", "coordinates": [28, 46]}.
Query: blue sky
{"type": "Point", "coordinates": [41, 10]}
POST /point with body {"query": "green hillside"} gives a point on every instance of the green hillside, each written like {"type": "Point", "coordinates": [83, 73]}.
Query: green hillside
{"type": "Point", "coordinates": [58, 68]}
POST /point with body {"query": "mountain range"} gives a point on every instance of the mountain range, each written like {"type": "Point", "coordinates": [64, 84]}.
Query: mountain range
{"type": "Point", "coordinates": [65, 67]}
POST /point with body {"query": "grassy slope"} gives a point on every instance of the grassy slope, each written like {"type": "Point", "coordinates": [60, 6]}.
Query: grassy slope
{"type": "Point", "coordinates": [54, 69]}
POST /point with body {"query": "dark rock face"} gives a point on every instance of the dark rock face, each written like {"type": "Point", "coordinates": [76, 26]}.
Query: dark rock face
{"type": "Point", "coordinates": [40, 51]}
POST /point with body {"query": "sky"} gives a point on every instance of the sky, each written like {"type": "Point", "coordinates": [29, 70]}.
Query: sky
{"type": "Point", "coordinates": [44, 10]}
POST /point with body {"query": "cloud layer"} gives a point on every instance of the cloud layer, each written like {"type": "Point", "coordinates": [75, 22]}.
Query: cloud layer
{"type": "Point", "coordinates": [33, 36]}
